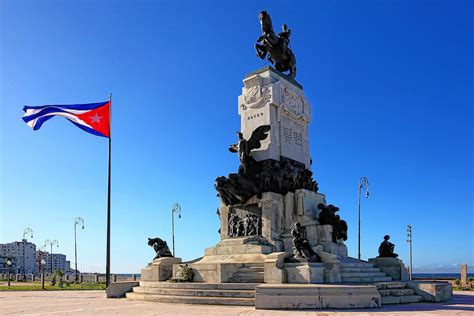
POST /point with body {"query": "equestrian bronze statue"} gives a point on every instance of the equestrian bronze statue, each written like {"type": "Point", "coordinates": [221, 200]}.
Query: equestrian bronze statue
{"type": "Point", "coordinates": [276, 46]}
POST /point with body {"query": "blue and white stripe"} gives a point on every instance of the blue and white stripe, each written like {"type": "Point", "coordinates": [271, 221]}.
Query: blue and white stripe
{"type": "Point", "coordinates": [35, 116]}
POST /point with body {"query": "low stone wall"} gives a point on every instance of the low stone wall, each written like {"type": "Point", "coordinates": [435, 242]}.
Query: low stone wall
{"type": "Point", "coordinates": [118, 289]}
{"type": "Point", "coordinates": [393, 267]}
{"type": "Point", "coordinates": [432, 291]}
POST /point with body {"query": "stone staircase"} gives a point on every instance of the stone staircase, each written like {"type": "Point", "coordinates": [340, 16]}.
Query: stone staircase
{"type": "Point", "coordinates": [248, 273]}
{"type": "Point", "coordinates": [358, 271]}
{"type": "Point", "coordinates": [241, 294]}
{"type": "Point", "coordinates": [397, 293]}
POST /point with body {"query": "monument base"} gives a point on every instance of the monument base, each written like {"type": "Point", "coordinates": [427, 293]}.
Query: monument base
{"type": "Point", "coordinates": [232, 260]}
{"type": "Point", "coordinates": [393, 267]}
{"type": "Point", "coordinates": [160, 269]}
{"type": "Point", "coordinates": [299, 296]}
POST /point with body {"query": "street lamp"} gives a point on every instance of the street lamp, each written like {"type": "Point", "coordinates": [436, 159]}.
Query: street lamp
{"type": "Point", "coordinates": [43, 263]}
{"type": "Point", "coordinates": [51, 243]}
{"type": "Point", "coordinates": [363, 185]}
{"type": "Point", "coordinates": [176, 209]}
{"type": "Point", "coordinates": [9, 265]}
{"type": "Point", "coordinates": [77, 221]}
{"type": "Point", "coordinates": [27, 231]}
{"type": "Point", "coordinates": [409, 241]}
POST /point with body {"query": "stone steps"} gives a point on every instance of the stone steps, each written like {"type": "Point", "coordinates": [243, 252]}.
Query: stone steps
{"type": "Point", "coordinates": [192, 299]}
{"type": "Point", "coordinates": [195, 292]}
{"type": "Point", "coordinates": [249, 273]}
{"type": "Point", "coordinates": [358, 271]}
{"type": "Point", "coordinates": [251, 269]}
{"type": "Point", "coordinates": [362, 274]}
{"type": "Point", "coordinates": [247, 278]}
{"type": "Point", "coordinates": [405, 299]}
{"type": "Point", "coordinates": [397, 293]}
{"type": "Point", "coordinates": [391, 285]}
{"type": "Point", "coordinates": [202, 286]}
{"type": "Point", "coordinates": [242, 294]}
{"type": "Point", "coordinates": [366, 279]}
{"type": "Point", "coordinates": [354, 263]}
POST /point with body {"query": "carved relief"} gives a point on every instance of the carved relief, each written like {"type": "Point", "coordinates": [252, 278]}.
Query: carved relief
{"type": "Point", "coordinates": [250, 225]}
{"type": "Point", "coordinates": [255, 97]}
{"type": "Point", "coordinates": [292, 101]}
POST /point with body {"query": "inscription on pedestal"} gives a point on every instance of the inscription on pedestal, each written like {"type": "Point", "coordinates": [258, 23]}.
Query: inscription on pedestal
{"type": "Point", "coordinates": [268, 98]}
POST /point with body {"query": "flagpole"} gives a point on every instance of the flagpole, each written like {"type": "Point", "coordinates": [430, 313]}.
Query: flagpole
{"type": "Point", "coordinates": [107, 264]}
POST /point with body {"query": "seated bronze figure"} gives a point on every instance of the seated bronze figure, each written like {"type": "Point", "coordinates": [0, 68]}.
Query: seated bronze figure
{"type": "Point", "coordinates": [386, 248]}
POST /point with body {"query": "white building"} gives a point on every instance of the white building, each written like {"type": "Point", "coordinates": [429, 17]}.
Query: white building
{"type": "Point", "coordinates": [24, 252]}
{"type": "Point", "coordinates": [59, 262]}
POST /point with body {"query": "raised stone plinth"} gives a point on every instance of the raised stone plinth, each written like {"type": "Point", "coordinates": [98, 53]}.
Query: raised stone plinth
{"type": "Point", "coordinates": [160, 269]}
{"type": "Point", "coordinates": [432, 291]}
{"type": "Point", "coordinates": [305, 296]}
{"type": "Point", "coordinates": [118, 289]}
{"type": "Point", "coordinates": [228, 259]}
{"type": "Point", "coordinates": [270, 97]}
{"type": "Point", "coordinates": [305, 272]}
{"type": "Point", "coordinates": [195, 293]}
{"type": "Point", "coordinates": [393, 267]}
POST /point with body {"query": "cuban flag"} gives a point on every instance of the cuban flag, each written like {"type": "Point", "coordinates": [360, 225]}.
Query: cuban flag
{"type": "Point", "coordinates": [93, 118]}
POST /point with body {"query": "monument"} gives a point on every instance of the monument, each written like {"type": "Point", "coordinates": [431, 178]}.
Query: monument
{"type": "Point", "coordinates": [276, 228]}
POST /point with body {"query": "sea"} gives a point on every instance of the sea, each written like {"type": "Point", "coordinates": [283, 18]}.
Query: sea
{"type": "Point", "coordinates": [440, 276]}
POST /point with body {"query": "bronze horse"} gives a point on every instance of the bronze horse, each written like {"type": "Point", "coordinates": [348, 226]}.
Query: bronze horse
{"type": "Point", "coordinates": [275, 45]}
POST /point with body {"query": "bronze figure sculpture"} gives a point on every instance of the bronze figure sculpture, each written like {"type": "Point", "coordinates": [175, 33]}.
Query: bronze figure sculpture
{"type": "Point", "coordinates": [244, 147]}
{"type": "Point", "coordinates": [160, 246]}
{"type": "Point", "coordinates": [328, 216]}
{"type": "Point", "coordinates": [185, 274]}
{"type": "Point", "coordinates": [275, 45]}
{"type": "Point", "coordinates": [386, 248]}
{"type": "Point", "coordinates": [301, 246]}
{"type": "Point", "coordinates": [255, 177]}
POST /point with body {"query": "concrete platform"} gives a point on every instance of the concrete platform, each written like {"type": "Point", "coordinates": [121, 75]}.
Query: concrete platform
{"type": "Point", "coordinates": [316, 296]}
{"type": "Point", "coordinates": [96, 303]}
{"type": "Point", "coordinates": [236, 294]}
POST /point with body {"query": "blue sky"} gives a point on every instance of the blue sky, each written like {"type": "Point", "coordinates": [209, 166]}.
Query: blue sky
{"type": "Point", "coordinates": [389, 82]}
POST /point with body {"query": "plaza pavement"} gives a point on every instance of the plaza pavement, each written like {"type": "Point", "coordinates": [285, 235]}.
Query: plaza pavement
{"type": "Point", "coordinates": [95, 303]}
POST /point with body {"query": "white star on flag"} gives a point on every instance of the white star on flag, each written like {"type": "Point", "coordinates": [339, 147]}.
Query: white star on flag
{"type": "Point", "coordinates": [96, 118]}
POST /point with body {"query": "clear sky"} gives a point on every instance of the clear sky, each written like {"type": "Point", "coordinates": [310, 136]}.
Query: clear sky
{"type": "Point", "coordinates": [391, 89]}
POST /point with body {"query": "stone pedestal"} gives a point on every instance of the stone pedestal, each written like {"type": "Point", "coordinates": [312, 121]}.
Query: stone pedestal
{"type": "Point", "coordinates": [273, 268]}
{"type": "Point", "coordinates": [160, 269]}
{"type": "Point", "coordinates": [392, 267]}
{"type": "Point", "coordinates": [278, 214]}
{"type": "Point", "coordinates": [305, 272]}
{"type": "Point", "coordinates": [270, 97]}
{"type": "Point", "coordinates": [223, 260]}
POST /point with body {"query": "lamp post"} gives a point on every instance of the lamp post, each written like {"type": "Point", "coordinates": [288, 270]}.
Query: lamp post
{"type": "Point", "coordinates": [176, 209]}
{"type": "Point", "coordinates": [363, 185]}
{"type": "Point", "coordinates": [51, 243]}
{"type": "Point", "coordinates": [43, 263]}
{"type": "Point", "coordinates": [27, 231]}
{"type": "Point", "coordinates": [409, 241]}
{"type": "Point", "coordinates": [9, 265]}
{"type": "Point", "coordinates": [77, 221]}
